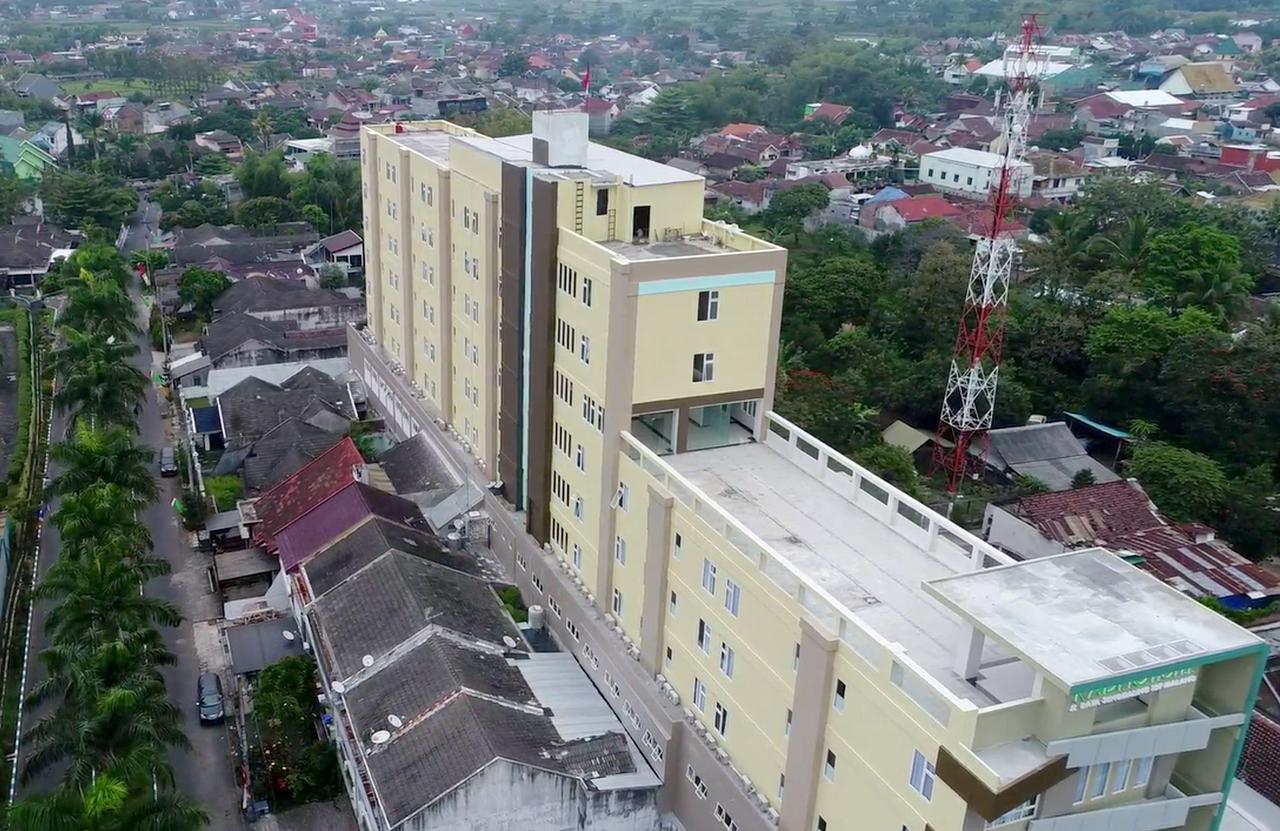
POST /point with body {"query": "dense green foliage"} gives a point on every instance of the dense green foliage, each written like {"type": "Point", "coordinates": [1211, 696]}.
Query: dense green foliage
{"type": "Point", "coordinates": [200, 287]}
{"type": "Point", "coordinates": [108, 725]}
{"type": "Point", "coordinates": [301, 765]}
{"type": "Point", "coordinates": [1132, 309]}
{"type": "Point", "coordinates": [80, 199]}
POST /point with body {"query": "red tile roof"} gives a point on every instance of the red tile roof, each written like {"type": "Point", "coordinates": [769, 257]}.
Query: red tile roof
{"type": "Point", "coordinates": [342, 511]}
{"type": "Point", "coordinates": [920, 208]}
{"type": "Point", "coordinates": [741, 130]}
{"type": "Point", "coordinates": [835, 113]}
{"type": "Point", "coordinates": [1120, 516]}
{"type": "Point", "coordinates": [310, 485]}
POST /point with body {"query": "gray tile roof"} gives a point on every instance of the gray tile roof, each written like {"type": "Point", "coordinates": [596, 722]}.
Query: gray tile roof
{"type": "Point", "coordinates": [394, 597]}
{"type": "Point", "coordinates": [253, 407]}
{"type": "Point", "coordinates": [265, 294]}
{"type": "Point", "coordinates": [369, 541]}
{"type": "Point", "coordinates": [282, 450]}
{"type": "Point", "coordinates": [413, 467]}
{"type": "Point", "coordinates": [417, 767]}
{"type": "Point", "coordinates": [231, 331]}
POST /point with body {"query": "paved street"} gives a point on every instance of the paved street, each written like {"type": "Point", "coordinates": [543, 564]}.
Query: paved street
{"type": "Point", "coordinates": [205, 771]}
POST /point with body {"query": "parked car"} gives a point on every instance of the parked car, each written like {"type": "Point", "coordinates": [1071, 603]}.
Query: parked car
{"type": "Point", "coordinates": [209, 698]}
{"type": "Point", "coordinates": [168, 462]}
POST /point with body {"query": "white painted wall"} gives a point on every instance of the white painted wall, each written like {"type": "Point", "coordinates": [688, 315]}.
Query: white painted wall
{"type": "Point", "coordinates": [969, 180]}
{"type": "Point", "coordinates": [1024, 540]}
{"type": "Point", "coordinates": [511, 797]}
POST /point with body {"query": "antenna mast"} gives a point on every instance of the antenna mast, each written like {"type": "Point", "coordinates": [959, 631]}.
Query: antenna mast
{"type": "Point", "coordinates": [970, 397]}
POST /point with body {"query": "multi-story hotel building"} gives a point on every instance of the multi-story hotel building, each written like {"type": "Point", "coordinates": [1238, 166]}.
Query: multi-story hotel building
{"type": "Point", "coordinates": [796, 642]}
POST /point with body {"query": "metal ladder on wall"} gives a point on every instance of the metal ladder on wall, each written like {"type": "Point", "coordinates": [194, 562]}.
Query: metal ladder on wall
{"type": "Point", "coordinates": [613, 223]}
{"type": "Point", "coordinates": [579, 197]}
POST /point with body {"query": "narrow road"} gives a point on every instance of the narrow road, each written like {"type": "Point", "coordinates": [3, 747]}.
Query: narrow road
{"type": "Point", "coordinates": [204, 772]}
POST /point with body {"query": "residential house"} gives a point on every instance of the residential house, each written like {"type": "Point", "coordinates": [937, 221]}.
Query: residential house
{"type": "Point", "coordinates": [54, 137]}
{"type": "Point", "coordinates": [344, 248]}
{"type": "Point", "coordinates": [250, 409]}
{"type": "Point", "coordinates": [1206, 82]}
{"type": "Point", "coordinates": [39, 87]}
{"type": "Point", "coordinates": [602, 115]}
{"type": "Point", "coordinates": [126, 118]}
{"type": "Point", "coordinates": [292, 301]}
{"type": "Point", "coordinates": [971, 173]}
{"type": "Point", "coordinates": [237, 245]}
{"type": "Point", "coordinates": [94, 101]}
{"type": "Point", "coordinates": [836, 114]}
{"type": "Point", "coordinates": [893, 215]}
{"type": "Point", "coordinates": [1121, 516]}
{"type": "Point", "coordinates": [1048, 453]}
{"type": "Point", "coordinates": [1249, 42]}
{"type": "Point", "coordinates": [752, 197]}
{"type": "Point", "coordinates": [160, 116]}
{"type": "Point", "coordinates": [220, 141]}
{"type": "Point", "coordinates": [24, 159]}
{"type": "Point", "coordinates": [240, 339]}
{"type": "Point", "coordinates": [29, 248]}
{"type": "Point", "coordinates": [1055, 177]}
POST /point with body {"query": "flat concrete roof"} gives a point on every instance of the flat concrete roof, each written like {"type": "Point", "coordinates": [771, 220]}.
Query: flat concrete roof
{"type": "Point", "coordinates": [434, 144]}
{"type": "Point", "coordinates": [1086, 616]}
{"type": "Point", "coordinates": [691, 246]}
{"type": "Point", "coordinates": [853, 555]}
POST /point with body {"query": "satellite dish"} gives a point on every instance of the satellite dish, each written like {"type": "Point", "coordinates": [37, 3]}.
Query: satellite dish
{"type": "Point", "coordinates": [339, 687]}
{"type": "Point", "coordinates": [509, 641]}
{"type": "Point", "coordinates": [367, 661]}
{"type": "Point", "coordinates": [380, 737]}
{"type": "Point", "coordinates": [289, 636]}
{"type": "Point", "coordinates": [395, 721]}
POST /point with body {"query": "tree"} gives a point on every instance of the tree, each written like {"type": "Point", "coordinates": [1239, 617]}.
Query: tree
{"type": "Point", "coordinates": [104, 456]}
{"type": "Point", "coordinates": [789, 209]}
{"type": "Point", "coordinates": [201, 287]}
{"type": "Point", "coordinates": [893, 464]}
{"type": "Point", "coordinates": [498, 122]}
{"type": "Point", "coordinates": [100, 306]}
{"type": "Point", "coordinates": [332, 276]}
{"type": "Point", "coordinates": [76, 198]}
{"type": "Point", "coordinates": [13, 196]}
{"type": "Point", "coordinates": [1184, 484]}
{"type": "Point", "coordinates": [1187, 259]}
{"type": "Point", "coordinates": [265, 212]}
{"type": "Point", "coordinates": [91, 123]}
{"type": "Point", "coordinates": [109, 803]}
{"type": "Point", "coordinates": [225, 490]}
{"type": "Point", "coordinates": [1083, 478]}
{"type": "Point", "coordinates": [828, 409]}
{"type": "Point", "coordinates": [832, 293]}
{"type": "Point", "coordinates": [513, 63]}
{"type": "Point", "coordinates": [315, 215]}
{"type": "Point", "coordinates": [101, 392]}
{"type": "Point", "coordinates": [263, 127]}
{"type": "Point", "coordinates": [264, 174]}
{"type": "Point", "coordinates": [213, 164]}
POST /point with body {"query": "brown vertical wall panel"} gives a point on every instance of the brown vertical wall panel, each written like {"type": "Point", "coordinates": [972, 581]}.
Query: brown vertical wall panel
{"type": "Point", "coordinates": [511, 332]}
{"type": "Point", "coordinates": [543, 237]}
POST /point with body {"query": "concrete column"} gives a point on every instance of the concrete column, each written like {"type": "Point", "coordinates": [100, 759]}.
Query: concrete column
{"type": "Point", "coordinates": [444, 305]}
{"type": "Point", "coordinates": [809, 710]}
{"type": "Point", "coordinates": [404, 198]}
{"type": "Point", "coordinates": [493, 259]}
{"type": "Point", "coordinates": [969, 652]}
{"type": "Point", "coordinates": [681, 429]}
{"type": "Point", "coordinates": [373, 276]}
{"type": "Point", "coordinates": [657, 547]}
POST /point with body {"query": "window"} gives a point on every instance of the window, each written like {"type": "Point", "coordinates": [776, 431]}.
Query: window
{"type": "Point", "coordinates": [922, 775]}
{"type": "Point", "coordinates": [704, 367]}
{"type": "Point", "coordinates": [580, 458]}
{"type": "Point", "coordinates": [577, 556]}
{"type": "Point", "coordinates": [564, 334]}
{"type": "Point", "coordinates": [732, 596]}
{"type": "Point", "coordinates": [786, 727]}
{"type": "Point", "coordinates": [590, 655]}
{"type": "Point", "coordinates": [690, 774]}
{"type": "Point", "coordinates": [1142, 771]}
{"type": "Point", "coordinates": [572, 629]}
{"type": "Point", "coordinates": [429, 195]}
{"type": "Point", "coordinates": [1100, 773]}
{"type": "Point", "coordinates": [1026, 810]}
{"type": "Point", "coordinates": [726, 659]}
{"type": "Point", "coordinates": [1121, 779]}
{"type": "Point", "coordinates": [704, 636]}
{"type": "Point", "coordinates": [955, 177]}
{"type": "Point", "coordinates": [1082, 782]}
{"type": "Point", "coordinates": [579, 510]}
{"type": "Point", "coordinates": [669, 657]}
{"type": "Point", "coordinates": [699, 694]}
{"type": "Point", "coordinates": [709, 304]}
{"type": "Point", "coordinates": [592, 413]}
{"type": "Point", "coordinates": [602, 202]}
{"type": "Point", "coordinates": [553, 605]}
{"type": "Point", "coordinates": [620, 550]}
{"type": "Point", "coordinates": [564, 388]}
{"type": "Point", "coordinates": [617, 603]}
{"type": "Point", "coordinates": [930, 174]}
{"type": "Point", "coordinates": [567, 280]}
{"type": "Point", "coordinates": [829, 769]}
{"type": "Point", "coordinates": [586, 291]}
{"type": "Point", "coordinates": [671, 607]}
{"type": "Point", "coordinates": [584, 350]}
{"type": "Point", "coordinates": [969, 181]}
{"type": "Point", "coordinates": [675, 546]}
{"type": "Point", "coordinates": [795, 659]}
{"type": "Point", "coordinates": [466, 217]}
{"type": "Point", "coordinates": [721, 719]}
{"type": "Point", "coordinates": [521, 562]}
{"type": "Point", "coordinates": [822, 824]}
{"type": "Point", "coordinates": [839, 699]}
{"type": "Point", "coordinates": [723, 816]}
{"type": "Point", "coordinates": [624, 495]}
{"type": "Point", "coordinates": [537, 583]}
{"type": "Point", "coordinates": [709, 576]}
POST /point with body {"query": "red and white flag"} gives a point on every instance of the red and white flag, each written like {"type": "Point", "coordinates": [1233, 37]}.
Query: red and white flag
{"type": "Point", "coordinates": [586, 80]}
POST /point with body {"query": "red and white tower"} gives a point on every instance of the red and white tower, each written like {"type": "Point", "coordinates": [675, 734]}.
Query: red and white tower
{"type": "Point", "coordinates": [970, 398]}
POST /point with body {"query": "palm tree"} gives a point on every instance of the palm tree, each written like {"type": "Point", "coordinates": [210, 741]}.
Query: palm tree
{"type": "Point", "coordinates": [101, 517]}
{"type": "Point", "coordinates": [79, 348]}
{"type": "Point", "coordinates": [1222, 291]}
{"type": "Point", "coordinates": [264, 128]}
{"type": "Point", "coordinates": [1125, 251]}
{"type": "Point", "coordinates": [101, 392]}
{"type": "Point", "coordinates": [108, 456]}
{"type": "Point", "coordinates": [91, 122]}
{"type": "Point", "coordinates": [100, 305]}
{"type": "Point", "coordinates": [103, 594]}
{"type": "Point", "coordinates": [109, 803]}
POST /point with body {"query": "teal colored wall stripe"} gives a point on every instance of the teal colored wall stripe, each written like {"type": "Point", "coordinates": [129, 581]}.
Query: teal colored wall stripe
{"type": "Point", "coordinates": [750, 278]}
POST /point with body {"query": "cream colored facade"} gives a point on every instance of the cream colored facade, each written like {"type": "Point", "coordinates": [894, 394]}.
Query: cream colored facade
{"type": "Point", "coordinates": [838, 656]}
